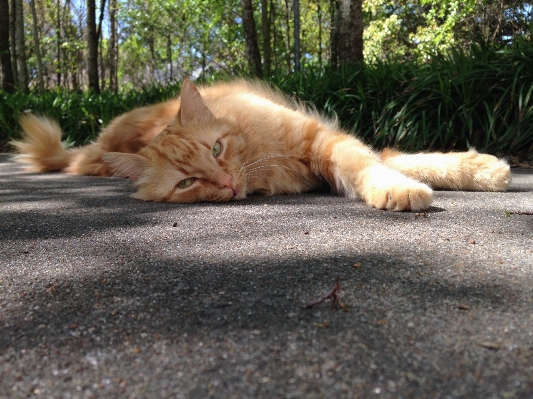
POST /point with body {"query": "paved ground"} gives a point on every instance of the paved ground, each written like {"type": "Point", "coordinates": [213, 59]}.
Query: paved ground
{"type": "Point", "coordinates": [105, 296]}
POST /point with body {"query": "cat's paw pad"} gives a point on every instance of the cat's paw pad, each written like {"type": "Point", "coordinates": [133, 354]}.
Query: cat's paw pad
{"type": "Point", "coordinates": [491, 173]}
{"type": "Point", "coordinates": [407, 195]}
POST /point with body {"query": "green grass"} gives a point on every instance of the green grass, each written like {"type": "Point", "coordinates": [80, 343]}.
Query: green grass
{"type": "Point", "coordinates": [480, 99]}
{"type": "Point", "coordinates": [80, 114]}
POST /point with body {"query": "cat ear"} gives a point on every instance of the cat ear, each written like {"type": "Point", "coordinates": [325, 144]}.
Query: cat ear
{"type": "Point", "coordinates": [192, 108]}
{"type": "Point", "coordinates": [126, 165]}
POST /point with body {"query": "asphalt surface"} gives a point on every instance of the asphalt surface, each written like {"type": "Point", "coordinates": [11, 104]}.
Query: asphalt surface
{"type": "Point", "coordinates": [105, 296]}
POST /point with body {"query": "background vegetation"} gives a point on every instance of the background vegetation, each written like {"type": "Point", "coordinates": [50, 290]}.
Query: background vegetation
{"type": "Point", "coordinates": [431, 74]}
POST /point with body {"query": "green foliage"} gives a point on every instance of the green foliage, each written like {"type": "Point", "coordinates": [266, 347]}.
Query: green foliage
{"type": "Point", "coordinates": [420, 29]}
{"type": "Point", "coordinates": [166, 40]}
{"type": "Point", "coordinates": [482, 98]}
{"type": "Point", "coordinates": [80, 114]}
{"type": "Point", "coordinates": [161, 41]}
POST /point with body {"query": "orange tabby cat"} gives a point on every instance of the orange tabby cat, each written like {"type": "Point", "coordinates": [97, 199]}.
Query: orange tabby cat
{"type": "Point", "coordinates": [224, 142]}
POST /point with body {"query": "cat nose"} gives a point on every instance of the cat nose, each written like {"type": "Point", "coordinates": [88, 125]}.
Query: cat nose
{"type": "Point", "coordinates": [226, 182]}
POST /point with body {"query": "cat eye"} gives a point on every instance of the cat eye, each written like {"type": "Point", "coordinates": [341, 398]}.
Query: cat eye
{"type": "Point", "coordinates": [217, 149]}
{"type": "Point", "coordinates": [186, 183]}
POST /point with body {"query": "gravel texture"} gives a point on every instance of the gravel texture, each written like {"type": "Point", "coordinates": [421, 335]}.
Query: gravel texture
{"type": "Point", "coordinates": [104, 296]}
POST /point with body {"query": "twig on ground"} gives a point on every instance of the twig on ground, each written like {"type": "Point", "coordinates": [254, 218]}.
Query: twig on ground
{"type": "Point", "coordinates": [508, 213]}
{"type": "Point", "coordinates": [333, 295]}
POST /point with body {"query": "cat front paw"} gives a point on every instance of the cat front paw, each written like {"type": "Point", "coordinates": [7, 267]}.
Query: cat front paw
{"type": "Point", "coordinates": [393, 191]}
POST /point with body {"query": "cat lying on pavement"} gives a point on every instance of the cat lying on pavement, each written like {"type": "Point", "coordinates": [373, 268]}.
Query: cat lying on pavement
{"type": "Point", "coordinates": [224, 142]}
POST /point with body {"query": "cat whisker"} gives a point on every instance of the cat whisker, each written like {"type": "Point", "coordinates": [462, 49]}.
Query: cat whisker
{"type": "Point", "coordinates": [261, 156]}
{"type": "Point", "coordinates": [262, 167]}
{"type": "Point", "coordinates": [258, 174]}
{"type": "Point", "coordinates": [257, 160]}
{"type": "Point", "coordinates": [265, 168]}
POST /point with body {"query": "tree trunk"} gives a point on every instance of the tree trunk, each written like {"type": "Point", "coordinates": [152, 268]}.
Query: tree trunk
{"type": "Point", "coordinates": [349, 25]}
{"type": "Point", "coordinates": [58, 45]}
{"type": "Point", "coordinates": [296, 9]}
{"type": "Point", "coordinates": [101, 70]}
{"type": "Point", "coordinates": [250, 36]}
{"type": "Point", "coordinates": [204, 65]}
{"type": "Point", "coordinates": [274, 35]}
{"type": "Point", "coordinates": [40, 80]}
{"type": "Point", "coordinates": [101, 19]}
{"type": "Point", "coordinates": [22, 70]}
{"type": "Point", "coordinates": [72, 67]}
{"type": "Point", "coordinates": [169, 58]}
{"type": "Point", "coordinates": [319, 12]}
{"type": "Point", "coordinates": [150, 40]}
{"type": "Point", "coordinates": [288, 36]}
{"type": "Point", "coordinates": [92, 47]}
{"type": "Point", "coordinates": [12, 23]}
{"type": "Point", "coordinates": [113, 85]}
{"type": "Point", "coordinates": [8, 82]}
{"type": "Point", "coordinates": [267, 46]}
{"type": "Point", "coordinates": [100, 49]}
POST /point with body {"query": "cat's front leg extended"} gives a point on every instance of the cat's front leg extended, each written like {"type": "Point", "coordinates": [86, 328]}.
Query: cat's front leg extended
{"type": "Point", "coordinates": [385, 188]}
{"type": "Point", "coordinates": [356, 171]}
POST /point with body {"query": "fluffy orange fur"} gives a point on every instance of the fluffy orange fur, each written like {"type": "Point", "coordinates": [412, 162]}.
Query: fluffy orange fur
{"type": "Point", "coordinates": [224, 142]}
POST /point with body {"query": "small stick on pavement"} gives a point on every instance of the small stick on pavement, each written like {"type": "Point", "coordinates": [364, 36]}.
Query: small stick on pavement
{"type": "Point", "coordinates": [335, 302]}
{"type": "Point", "coordinates": [517, 213]}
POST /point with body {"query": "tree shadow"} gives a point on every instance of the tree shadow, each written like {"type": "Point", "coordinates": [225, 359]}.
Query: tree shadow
{"type": "Point", "coordinates": [166, 298]}
{"type": "Point", "coordinates": [86, 270]}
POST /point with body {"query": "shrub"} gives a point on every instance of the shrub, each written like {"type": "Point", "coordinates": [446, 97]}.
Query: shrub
{"type": "Point", "coordinates": [480, 99]}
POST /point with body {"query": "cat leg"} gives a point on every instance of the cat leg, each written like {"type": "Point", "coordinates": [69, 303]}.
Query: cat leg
{"type": "Point", "coordinates": [452, 171]}
{"type": "Point", "coordinates": [354, 170]}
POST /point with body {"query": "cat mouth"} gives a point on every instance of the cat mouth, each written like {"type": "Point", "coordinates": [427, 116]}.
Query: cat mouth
{"type": "Point", "coordinates": [238, 194]}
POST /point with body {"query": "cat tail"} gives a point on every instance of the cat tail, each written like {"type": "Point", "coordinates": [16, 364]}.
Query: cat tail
{"type": "Point", "coordinates": [452, 171]}
{"type": "Point", "coordinates": [41, 146]}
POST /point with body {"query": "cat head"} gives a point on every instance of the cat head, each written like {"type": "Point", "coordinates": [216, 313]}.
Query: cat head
{"type": "Point", "coordinates": [197, 158]}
